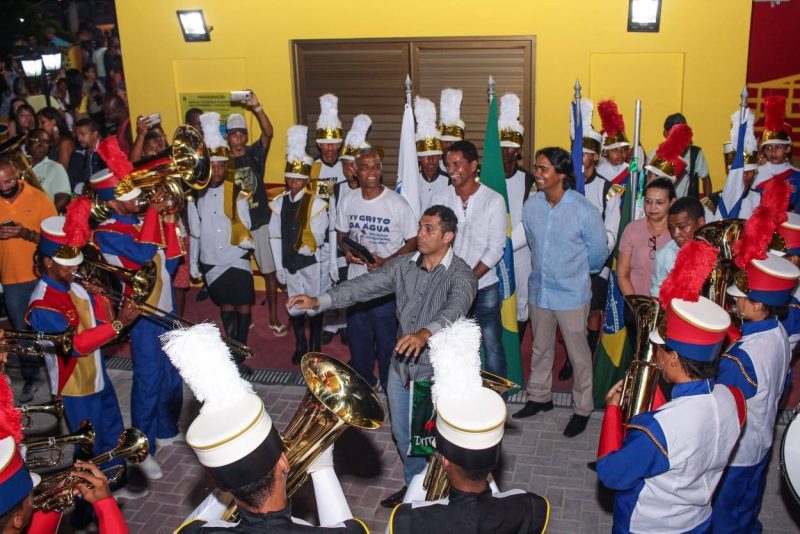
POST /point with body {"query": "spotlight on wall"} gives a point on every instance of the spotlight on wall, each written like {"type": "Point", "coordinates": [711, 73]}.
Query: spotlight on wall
{"type": "Point", "coordinates": [193, 25]}
{"type": "Point", "coordinates": [644, 15]}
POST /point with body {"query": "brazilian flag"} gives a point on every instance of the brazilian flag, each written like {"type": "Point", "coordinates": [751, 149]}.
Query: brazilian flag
{"type": "Point", "coordinates": [493, 177]}
{"type": "Point", "coordinates": [614, 352]}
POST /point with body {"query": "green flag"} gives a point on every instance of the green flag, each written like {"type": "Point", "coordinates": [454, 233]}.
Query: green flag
{"type": "Point", "coordinates": [493, 177]}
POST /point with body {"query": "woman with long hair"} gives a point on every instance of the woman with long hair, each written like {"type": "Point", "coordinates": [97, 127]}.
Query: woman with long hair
{"type": "Point", "coordinates": [54, 123]}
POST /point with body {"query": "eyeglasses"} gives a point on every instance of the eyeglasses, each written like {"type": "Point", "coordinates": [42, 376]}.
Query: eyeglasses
{"type": "Point", "coordinates": [652, 243]}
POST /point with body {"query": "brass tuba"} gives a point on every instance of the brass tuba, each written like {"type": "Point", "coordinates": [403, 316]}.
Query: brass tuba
{"type": "Point", "coordinates": [47, 452]}
{"type": "Point", "coordinates": [54, 408]}
{"type": "Point", "coordinates": [436, 482]}
{"type": "Point", "coordinates": [162, 177]}
{"type": "Point", "coordinates": [641, 378]}
{"type": "Point", "coordinates": [32, 343]}
{"type": "Point", "coordinates": [722, 235]}
{"type": "Point", "coordinates": [55, 492]}
{"type": "Point", "coordinates": [337, 397]}
{"type": "Point", "coordinates": [12, 149]}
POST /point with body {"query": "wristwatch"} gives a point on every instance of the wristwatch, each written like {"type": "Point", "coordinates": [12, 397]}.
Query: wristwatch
{"type": "Point", "coordinates": [117, 326]}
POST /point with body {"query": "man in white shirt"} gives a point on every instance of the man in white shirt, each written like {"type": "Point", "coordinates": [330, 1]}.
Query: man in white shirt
{"type": "Point", "coordinates": [52, 175]}
{"type": "Point", "coordinates": [381, 221]}
{"type": "Point", "coordinates": [480, 242]}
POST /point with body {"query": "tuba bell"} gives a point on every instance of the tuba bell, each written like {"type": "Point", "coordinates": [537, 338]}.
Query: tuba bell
{"type": "Point", "coordinates": [337, 397]}
{"type": "Point", "coordinates": [641, 378]}
{"type": "Point", "coordinates": [162, 177]}
{"type": "Point", "coordinates": [55, 492]}
{"type": "Point", "coordinates": [54, 408]}
{"type": "Point", "coordinates": [435, 481]}
{"type": "Point", "coordinates": [47, 452]}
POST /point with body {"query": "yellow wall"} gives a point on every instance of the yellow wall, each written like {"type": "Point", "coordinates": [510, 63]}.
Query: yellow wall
{"type": "Point", "coordinates": [706, 39]}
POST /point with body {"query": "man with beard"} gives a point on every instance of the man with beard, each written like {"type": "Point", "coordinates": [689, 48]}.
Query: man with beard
{"type": "Point", "coordinates": [22, 210]}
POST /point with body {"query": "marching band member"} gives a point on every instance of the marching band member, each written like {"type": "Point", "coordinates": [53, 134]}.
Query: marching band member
{"type": "Point", "coordinates": [757, 364]}
{"type": "Point", "coordinates": [297, 232]}
{"type": "Point", "coordinates": [520, 184]}
{"type": "Point", "coordinates": [776, 146]}
{"type": "Point", "coordinates": [331, 167]}
{"type": "Point", "coordinates": [221, 243]}
{"type": "Point", "coordinates": [614, 153]}
{"type": "Point", "coordinates": [432, 180]}
{"type": "Point", "coordinates": [469, 432]}
{"type": "Point", "coordinates": [127, 241]}
{"type": "Point", "coordinates": [790, 232]}
{"type": "Point", "coordinates": [57, 303]}
{"type": "Point", "coordinates": [451, 127]}
{"type": "Point", "coordinates": [672, 458]}
{"type": "Point", "coordinates": [16, 483]}
{"type": "Point", "coordinates": [737, 198]}
{"type": "Point", "coordinates": [236, 441]}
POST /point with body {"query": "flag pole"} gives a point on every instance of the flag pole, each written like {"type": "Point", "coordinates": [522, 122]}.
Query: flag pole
{"type": "Point", "coordinates": [634, 176]}
{"type": "Point", "coordinates": [577, 97]}
{"type": "Point", "coordinates": [743, 106]}
{"type": "Point", "coordinates": [490, 88]}
{"type": "Point", "coordinates": [409, 89]}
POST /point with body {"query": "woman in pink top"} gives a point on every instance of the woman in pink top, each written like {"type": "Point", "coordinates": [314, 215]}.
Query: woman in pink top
{"type": "Point", "coordinates": [641, 239]}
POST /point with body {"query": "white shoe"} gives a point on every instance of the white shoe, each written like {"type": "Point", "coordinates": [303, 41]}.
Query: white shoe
{"type": "Point", "coordinates": [180, 436]}
{"type": "Point", "coordinates": [126, 493]}
{"type": "Point", "coordinates": [151, 469]}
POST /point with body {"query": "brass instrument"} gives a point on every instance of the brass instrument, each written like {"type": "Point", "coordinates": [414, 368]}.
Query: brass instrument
{"type": "Point", "coordinates": [162, 177]}
{"type": "Point", "coordinates": [13, 340]}
{"type": "Point", "coordinates": [722, 235]}
{"type": "Point", "coordinates": [436, 482]}
{"type": "Point", "coordinates": [12, 149]}
{"type": "Point", "coordinates": [141, 280]}
{"type": "Point", "coordinates": [55, 492]}
{"type": "Point", "coordinates": [641, 378]}
{"type": "Point", "coordinates": [89, 280]}
{"type": "Point", "coordinates": [47, 452]}
{"type": "Point", "coordinates": [54, 408]}
{"type": "Point", "coordinates": [337, 397]}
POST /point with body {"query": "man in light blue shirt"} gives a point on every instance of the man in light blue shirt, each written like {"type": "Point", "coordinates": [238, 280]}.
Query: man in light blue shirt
{"type": "Point", "coordinates": [568, 242]}
{"type": "Point", "coordinates": [685, 216]}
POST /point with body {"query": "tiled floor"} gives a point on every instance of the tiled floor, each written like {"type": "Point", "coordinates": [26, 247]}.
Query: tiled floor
{"type": "Point", "coordinates": [536, 457]}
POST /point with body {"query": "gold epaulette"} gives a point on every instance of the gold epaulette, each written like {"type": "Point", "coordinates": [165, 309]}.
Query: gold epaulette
{"type": "Point", "coordinates": [615, 190]}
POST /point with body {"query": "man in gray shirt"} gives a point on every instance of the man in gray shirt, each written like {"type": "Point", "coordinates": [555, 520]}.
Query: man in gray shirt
{"type": "Point", "coordinates": [433, 287]}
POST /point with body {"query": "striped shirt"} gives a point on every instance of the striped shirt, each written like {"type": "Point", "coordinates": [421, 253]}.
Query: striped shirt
{"type": "Point", "coordinates": [425, 299]}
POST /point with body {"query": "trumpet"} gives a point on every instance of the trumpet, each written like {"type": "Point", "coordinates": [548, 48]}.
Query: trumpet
{"type": "Point", "coordinates": [17, 341]}
{"type": "Point", "coordinates": [55, 492]}
{"type": "Point", "coordinates": [89, 280]}
{"type": "Point", "coordinates": [436, 482]}
{"type": "Point", "coordinates": [47, 452]}
{"type": "Point", "coordinates": [162, 177]}
{"type": "Point", "coordinates": [54, 408]}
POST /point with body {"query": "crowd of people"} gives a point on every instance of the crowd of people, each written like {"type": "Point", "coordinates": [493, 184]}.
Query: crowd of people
{"type": "Point", "coordinates": [355, 259]}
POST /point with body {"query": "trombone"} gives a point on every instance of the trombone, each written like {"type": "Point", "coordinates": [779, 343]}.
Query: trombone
{"type": "Point", "coordinates": [145, 278]}
{"type": "Point", "coordinates": [32, 343]}
{"type": "Point", "coordinates": [55, 492]}
{"type": "Point", "coordinates": [47, 452]}
{"type": "Point", "coordinates": [54, 408]}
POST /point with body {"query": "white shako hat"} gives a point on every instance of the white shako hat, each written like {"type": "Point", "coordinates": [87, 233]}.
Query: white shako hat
{"type": "Point", "coordinates": [212, 136]}
{"type": "Point", "coordinates": [451, 126]}
{"type": "Point", "coordinates": [511, 131]}
{"type": "Point", "coordinates": [233, 436]}
{"type": "Point", "coordinates": [55, 243]}
{"type": "Point", "coordinates": [329, 127]}
{"type": "Point", "coordinates": [470, 418]}
{"type": "Point", "coordinates": [695, 330]}
{"type": "Point", "coordinates": [771, 280]}
{"type": "Point", "coordinates": [592, 140]}
{"type": "Point", "coordinates": [298, 163]}
{"type": "Point", "coordinates": [357, 137]}
{"type": "Point", "coordinates": [429, 141]}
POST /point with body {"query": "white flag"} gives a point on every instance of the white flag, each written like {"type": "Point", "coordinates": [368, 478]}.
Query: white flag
{"type": "Point", "coordinates": [407, 167]}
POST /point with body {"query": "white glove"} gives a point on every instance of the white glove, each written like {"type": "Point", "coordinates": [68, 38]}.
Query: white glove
{"type": "Point", "coordinates": [323, 461]}
{"type": "Point", "coordinates": [194, 272]}
{"type": "Point", "coordinates": [280, 274]}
